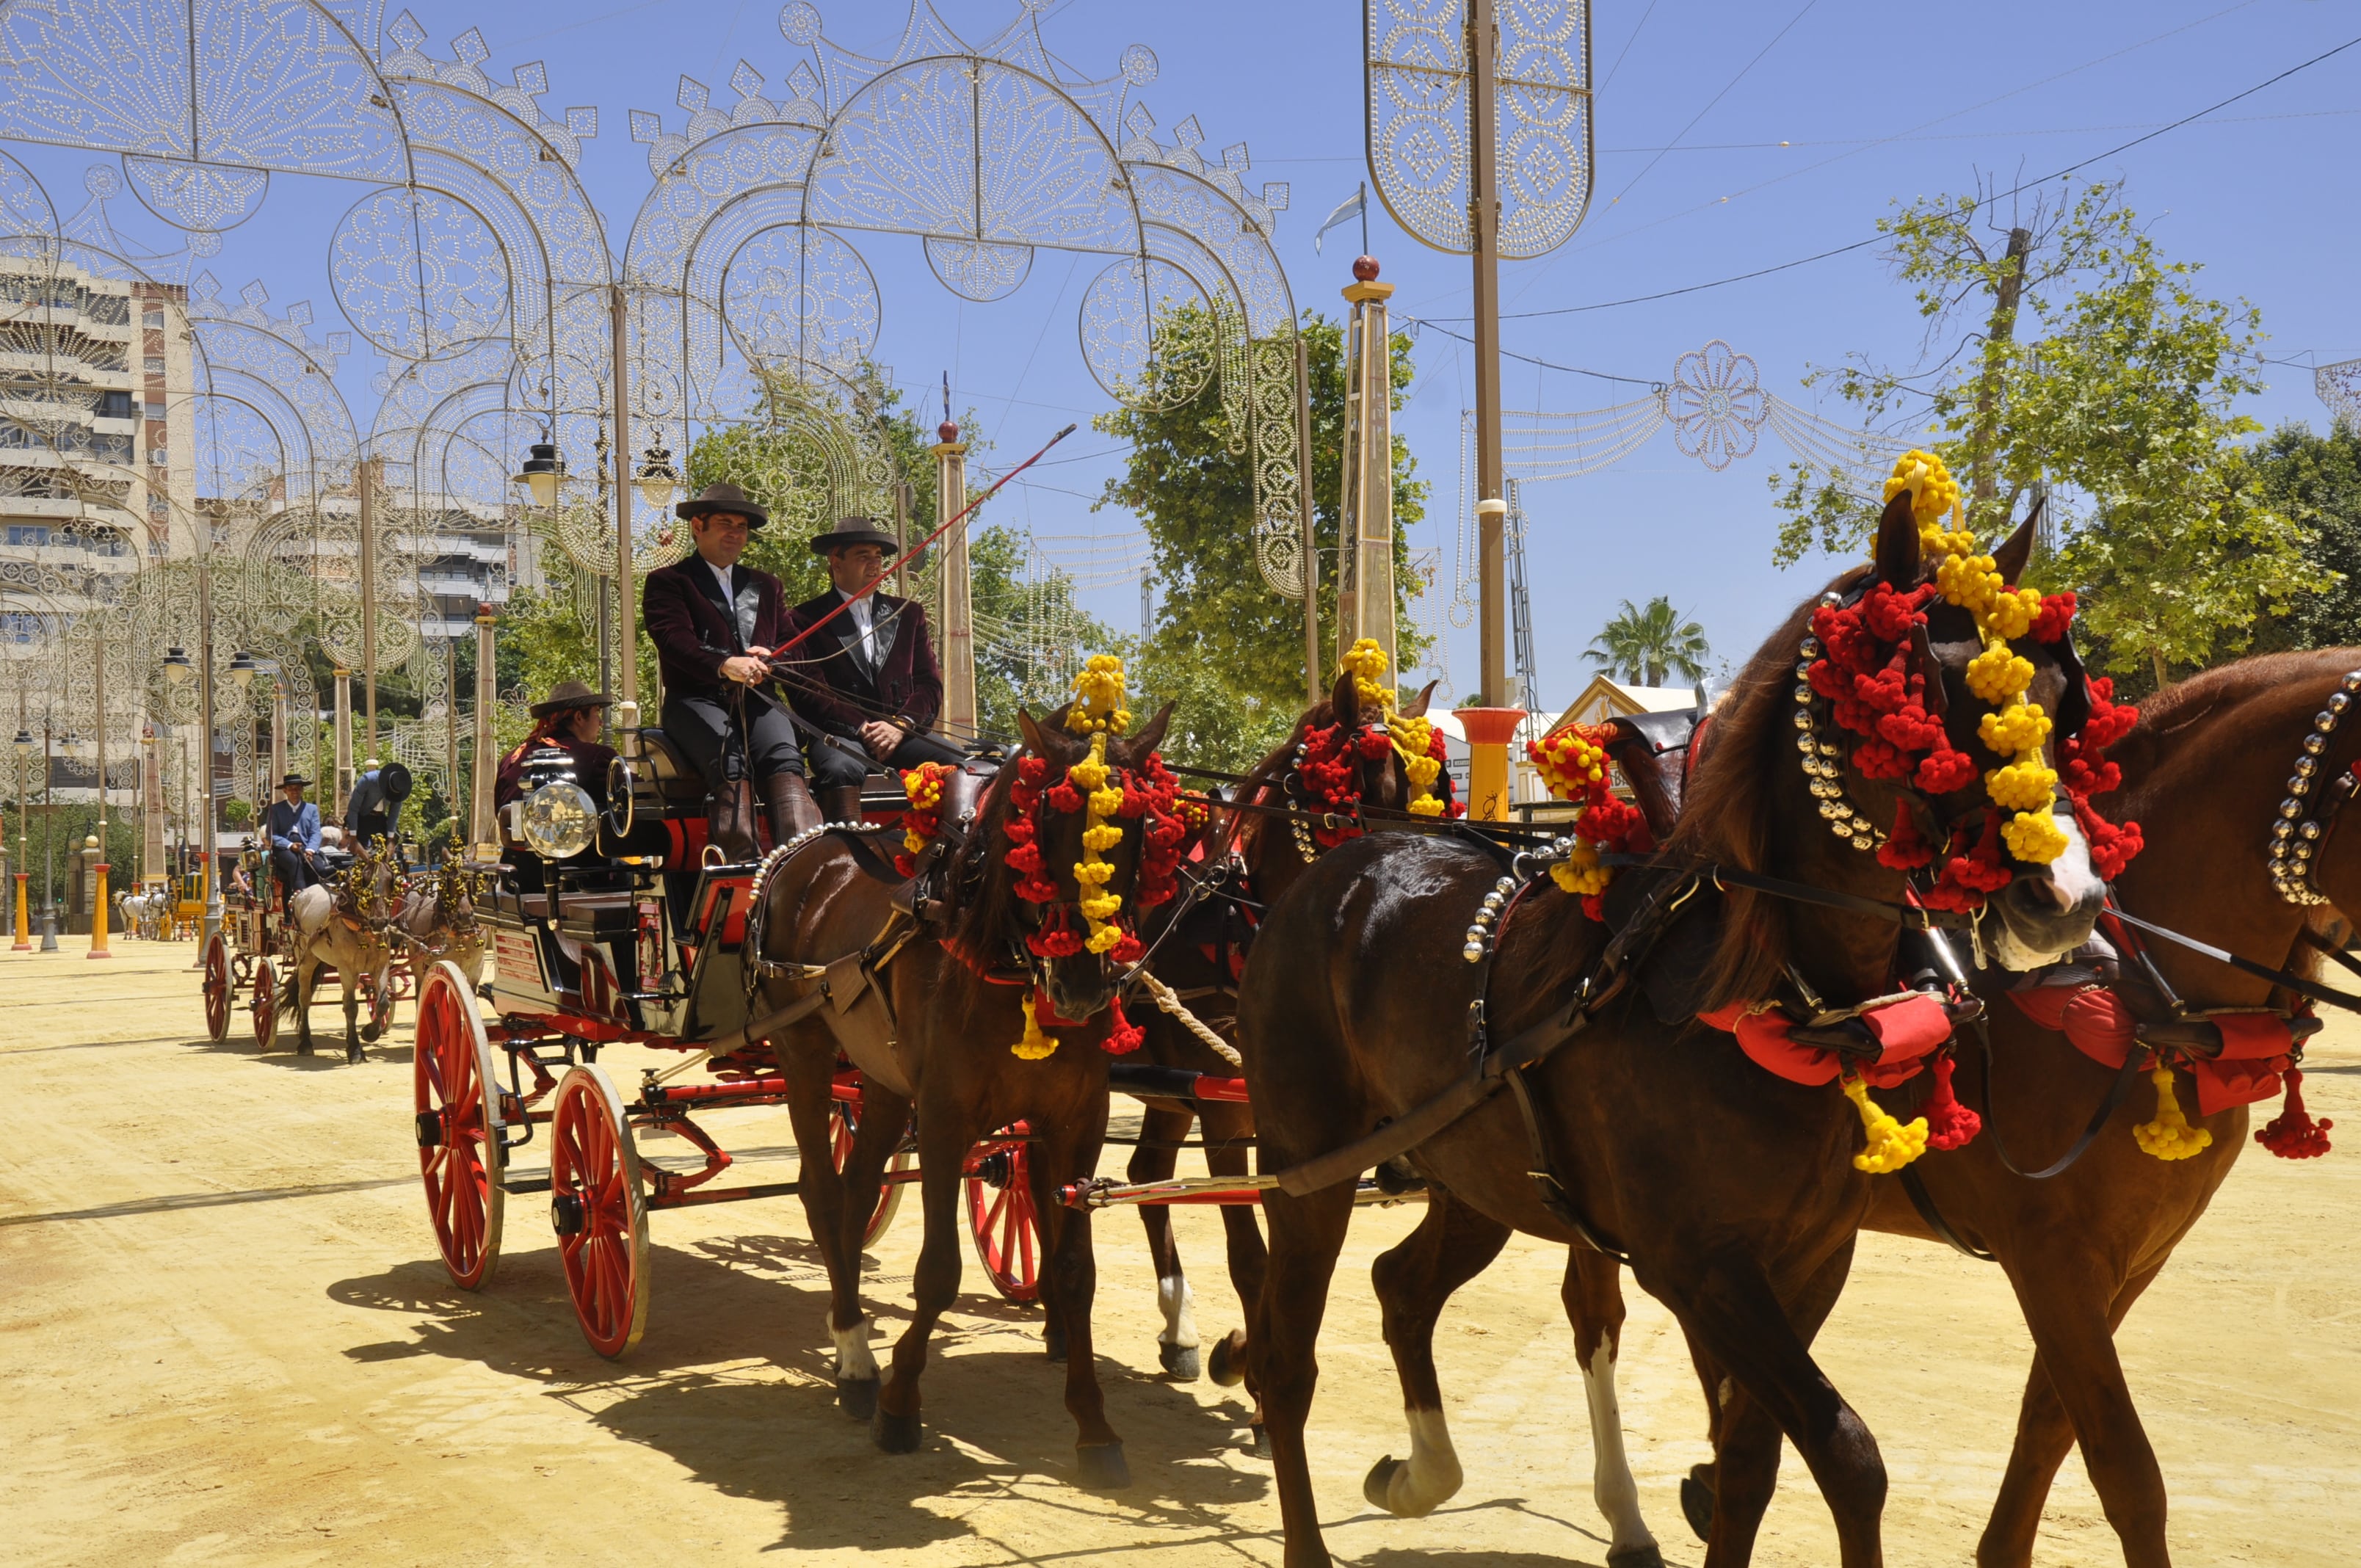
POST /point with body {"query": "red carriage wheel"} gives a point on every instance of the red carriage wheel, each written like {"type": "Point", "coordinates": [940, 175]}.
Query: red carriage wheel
{"type": "Point", "coordinates": [266, 1006]}
{"type": "Point", "coordinates": [217, 987]}
{"type": "Point", "coordinates": [1001, 1215]}
{"type": "Point", "coordinates": [843, 1125]}
{"type": "Point", "coordinates": [600, 1210]}
{"type": "Point", "coordinates": [460, 1156]}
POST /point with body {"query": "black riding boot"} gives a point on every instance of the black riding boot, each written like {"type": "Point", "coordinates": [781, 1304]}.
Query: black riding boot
{"type": "Point", "coordinates": [789, 803]}
{"type": "Point", "coordinates": [730, 822]}
{"type": "Point", "coordinates": [840, 802]}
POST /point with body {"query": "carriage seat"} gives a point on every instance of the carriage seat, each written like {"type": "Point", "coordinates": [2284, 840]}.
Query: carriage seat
{"type": "Point", "coordinates": [676, 780]}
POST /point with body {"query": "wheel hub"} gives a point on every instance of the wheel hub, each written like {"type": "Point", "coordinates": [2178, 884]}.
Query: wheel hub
{"type": "Point", "coordinates": [429, 1129]}
{"type": "Point", "coordinates": [565, 1214]}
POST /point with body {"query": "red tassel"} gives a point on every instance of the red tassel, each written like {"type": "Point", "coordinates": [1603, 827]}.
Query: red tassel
{"type": "Point", "coordinates": [1949, 1125]}
{"type": "Point", "coordinates": [1123, 1037]}
{"type": "Point", "coordinates": [1905, 849]}
{"type": "Point", "coordinates": [2292, 1134]}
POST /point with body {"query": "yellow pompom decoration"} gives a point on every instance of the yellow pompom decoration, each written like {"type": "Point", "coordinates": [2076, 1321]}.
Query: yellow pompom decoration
{"type": "Point", "coordinates": [1098, 698]}
{"type": "Point", "coordinates": [1580, 873]}
{"type": "Point", "coordinates": [1891, 1143]}
{"type": "Point", "coordinates": [2033, 837]}
{"type": "Point", "coordinates": [2012, 614]}
{"type": "Point", "coordinates": [1101, 800]}
{"type": "Point", "coordinates": [1101, 837]}
{"type": "Point", "coordinates": [1933, 491]}
{"type": "Point", "coordinates": [2025, 785]}
{"type": "Point", "coordinates": [1033, 1045]}
{"type": "Point", "coordinates": [1997, 674]}
{"type": "Point", "coordinates": [2169, 1136]}
{"type": "Point", "coordinates": [912, 843]}
{"type": "Point", "coordinates": [1367, 660]}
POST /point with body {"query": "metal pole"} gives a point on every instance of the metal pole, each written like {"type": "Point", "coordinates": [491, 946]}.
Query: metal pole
{"type": "Point", "coordinates": [277, 734]}
{"type": "Point", "coordinates": [958, 610]}
{"type": "Point", "coordinates": [451, 725]}
{"type": "Point", "coordinates": [213, 920]}
{"type": "Point", "coordinates": [343, 782]}
{"type": "Point", "coordinates": [480, 814]}
{"type": "Point", "coordinates": [1484, 224]}
{"type": "Point", "coordinates": [1371, 453]}
{"type": "Point", "coordinates": [23, 943]}
{"type": "Point", "coordinates": [98, 948]}
{"type": "Point", "coordinates": [627, 621]}
{"type": "Point", "coordinates": [901, 530]}
{"type": "Point", "coordinates": [1307, 516]}
{"type": "Point", "coordinates": [366, 482]}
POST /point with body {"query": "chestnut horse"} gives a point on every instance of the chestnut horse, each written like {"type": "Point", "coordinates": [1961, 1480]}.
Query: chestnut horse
{"type": "Point", "coordinates": [1258, 856]}
{"type": "Point", "coordinates": [953, 1006]}
{"type": "Point", "coordinates": [1732, 1189]}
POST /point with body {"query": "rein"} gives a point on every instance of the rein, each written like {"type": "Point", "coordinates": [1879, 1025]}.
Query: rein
{"type": "Point", "coordinates": [2280, 977]}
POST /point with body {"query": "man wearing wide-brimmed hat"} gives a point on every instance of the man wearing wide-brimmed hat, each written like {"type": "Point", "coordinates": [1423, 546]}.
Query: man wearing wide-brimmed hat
{"type": "Point", "coordinates": [374, 809]}
{"type": "Point", "coordinates": [868, 676]}
{"type": "Point", "coordinates": [291, 828]}
{"type": "Point", "coordinates": [714, 622]}
{"type": "Point", "coordinates": [569, 720]}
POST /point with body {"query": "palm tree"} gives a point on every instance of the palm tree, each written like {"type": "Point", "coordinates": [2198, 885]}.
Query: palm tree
{"type": "Point", "coordinates": [1643, 646]}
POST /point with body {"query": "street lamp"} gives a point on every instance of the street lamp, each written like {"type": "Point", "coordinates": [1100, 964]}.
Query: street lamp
{"type": "Point", "coordinates": [542, 471]}
{"type": "Point", "coordinates": [241, 669]}
{"type": "Point", "coordinates": [177, 665]}
{"type": "Point", "coordinates": [657, 477]}
{"type": "Point", "coordinates": [23, 943]}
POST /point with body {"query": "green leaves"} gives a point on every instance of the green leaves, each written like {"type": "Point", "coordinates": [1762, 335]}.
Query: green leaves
{"type": "Point", "coordinates": [1642, 647]}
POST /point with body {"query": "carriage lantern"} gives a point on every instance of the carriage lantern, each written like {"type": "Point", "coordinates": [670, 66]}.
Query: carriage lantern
{"type": "Point", "coordinates": [542, 471]}
{"type": "Point", "coordinates": [177, 665]}
{"type": "Point", "coordinates": [657, 477]}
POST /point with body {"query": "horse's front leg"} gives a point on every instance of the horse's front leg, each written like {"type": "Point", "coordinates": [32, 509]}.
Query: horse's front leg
{"type": "Point", "coordinates": [1161, 1126]}
{"type": "Point", "coordinates": [306, 977]}
{"type": "Point", "coordinates": [1593, 1295]}
{"type": "Point", "coordinates": [944, 1137]}
{"type": "Point", "coordinates": [1068, 1150]}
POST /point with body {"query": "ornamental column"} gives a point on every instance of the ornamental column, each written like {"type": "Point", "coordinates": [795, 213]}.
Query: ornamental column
{"type": "Point", "coordinates": [480, 832]}
{"type": "Point", "coordinates": [341, 786]}
{"type": "Point", "coordinates": [151, 810]}
{"type": "Point", "coordinates": [956, 606]}
{"type": "Point", "coordinates": [1364, 600]}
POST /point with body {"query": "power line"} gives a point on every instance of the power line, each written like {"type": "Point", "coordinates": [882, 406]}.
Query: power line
{"type": "Point", "coordinates": [1878, 239]}
{"type": "Point", "coordinates": [1716, 98]}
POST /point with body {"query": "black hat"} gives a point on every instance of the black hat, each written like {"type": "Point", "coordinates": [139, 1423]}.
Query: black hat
{"type": "Point", "coordinates": [854, 531]}
{"type": "Point", "coordinates": [725, 497]}
{"type": "Point", "coordinates": [395, 779]}
{"type": "Point", "coordinates": [567, 694]}
{"type": "Point", "coordinates": [294, 781]}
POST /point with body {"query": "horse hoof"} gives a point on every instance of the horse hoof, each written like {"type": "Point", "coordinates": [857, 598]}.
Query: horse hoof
{"type": "Point", "coordinates": [369, 1032]}
{"type": "Point", "coordinates": [895, 1434]}
{"type": "Point", "coordinates": [302, 1047]}
{"type": "Point", "coordinates": [1261, 1441]}
{"type": "Point", "coordinates": [1180, 1361]}
{"type": "Point", "coordinates": [1637, 1557]}
{"type": "Point", "coordinates": [1053, 1339]}
{"type": "Point", "coordinates": [857, 1397]}
{"type": "Point", "coordinates": [1224, 1366]}
{"type": "Point", "coordinates": [1697, 1501]}
{"type": "Point", "coordinates": [1380, 1480]}
{"type": "Point", "coordinates": [1100, 1467]}
{"type": "Point", "coordinates": [352, 1055]}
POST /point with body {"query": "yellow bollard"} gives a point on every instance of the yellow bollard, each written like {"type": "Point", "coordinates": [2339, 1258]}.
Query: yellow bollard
{"type": "Point", "coordinates": [24, 917]}
{"type": "Point", "coordinates": [98, 910]}
{"type": "Point", "coordinates": [1489, 731]}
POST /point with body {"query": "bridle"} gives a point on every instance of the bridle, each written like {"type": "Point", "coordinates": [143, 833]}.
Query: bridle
{"type": "Point", "coordinates": [2310, 810]}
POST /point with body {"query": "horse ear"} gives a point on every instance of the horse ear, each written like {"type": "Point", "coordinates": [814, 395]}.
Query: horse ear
{"type": "Point", "coordinates": [1152, 738]}
{"type": "Point", "coordinates": [2016, 550]}
{"type": "Point", "coordinates": [1344, 698]}
{"type": "Point", "coordinates": [1028, 728]}
{"type": "Point", "coordinates": [1416, 707]}
{"type": "Point", "coordinates": [1898, 550]}
{"type": "Point", "coordinates": [1936, 698]}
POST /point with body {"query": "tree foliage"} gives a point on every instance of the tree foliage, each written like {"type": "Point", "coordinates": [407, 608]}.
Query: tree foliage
{"type": "Point", "coordinates": [1226, 649]}
{"type": "Point", "coordinates": [2065, 351]}
{"type": "Point", "coordinates": [2315, 481]}
{"type": "Point", "coordinates": [1645, 645]}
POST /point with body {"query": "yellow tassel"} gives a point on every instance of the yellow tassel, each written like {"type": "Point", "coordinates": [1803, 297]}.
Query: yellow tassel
{"type": "Point", "coordinates": [1034, 1044]}
{"type": "Point", "coordinates": [2169, 1136]}
{"type": "Point", "coordinates": [1891, 1143]}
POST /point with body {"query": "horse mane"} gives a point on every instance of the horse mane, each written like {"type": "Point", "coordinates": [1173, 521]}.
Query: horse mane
{"type": "Point", "coordinates": [2167, 718]}
{"type": "Point", "coordinates": [1727, 816]}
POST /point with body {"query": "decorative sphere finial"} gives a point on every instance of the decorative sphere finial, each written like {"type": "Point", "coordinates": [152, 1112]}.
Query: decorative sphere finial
{"type": "Point", "coordinates": [946, 432]}
{"type": "Point", "coordinates": [1365, 268]}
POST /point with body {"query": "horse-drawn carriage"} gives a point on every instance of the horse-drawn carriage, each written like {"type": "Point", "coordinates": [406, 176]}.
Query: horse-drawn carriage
{"type": "Point", "coordinates": [258, 949]}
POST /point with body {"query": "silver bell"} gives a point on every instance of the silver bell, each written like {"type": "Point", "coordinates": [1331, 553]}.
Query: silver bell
{"type": "Point", "coordinates": [1861, 841]}
{"type": "Point", "coordinates": [2298, 786]}
{"type": "Point", "coordinates": [2290, 809]}
{"type": "Point", "coordinates": [2352, 681]}
{"type": "Point", "coordinates": [2310, 829]}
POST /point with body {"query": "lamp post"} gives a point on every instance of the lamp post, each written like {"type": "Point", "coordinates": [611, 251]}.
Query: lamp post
{"type": "Point", "coordinates": [176, 662]}
{"type": "Point", "coordinates": [48, 850]}
{"type": "Point", "coordinates": [23, 943]}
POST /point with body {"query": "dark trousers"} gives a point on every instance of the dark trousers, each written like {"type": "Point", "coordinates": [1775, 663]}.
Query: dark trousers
{"type": "Point", "coordinates": [844, 767]}
{"type": "Point", "coordinates": [295, 872]}
{"type": "Point", "coordinates": [708, 735]}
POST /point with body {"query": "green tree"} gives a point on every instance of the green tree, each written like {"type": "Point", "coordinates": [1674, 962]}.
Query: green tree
{"type": "Point", "coordinates": [1643, 646]}
{"type": "Point", "coordinates": [1225, 648]}
{"type": "Point", "coordinates": [2066, 349]}
{"type": "Point", "coordinates": [2315, 480]}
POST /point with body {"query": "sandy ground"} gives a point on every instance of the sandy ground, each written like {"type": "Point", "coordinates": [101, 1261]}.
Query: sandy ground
{"type": "Point", "coordinates": [225, 1339]}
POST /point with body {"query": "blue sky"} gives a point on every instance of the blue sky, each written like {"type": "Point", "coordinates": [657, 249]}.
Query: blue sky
{"type": "Point", "coordinates": [1791, 127]}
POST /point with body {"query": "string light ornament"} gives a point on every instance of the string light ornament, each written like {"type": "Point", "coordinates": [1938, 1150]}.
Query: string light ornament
{"type": "Point", "coordinates": [1575, 767]}
{"type": "Point", "coordinates": [1327, 760]}
{"type": "Point", "coordinates": [1107, 797]}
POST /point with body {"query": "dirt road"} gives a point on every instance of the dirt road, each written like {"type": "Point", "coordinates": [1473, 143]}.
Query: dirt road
{"type": "Point", "coordinates": [225, 1339]}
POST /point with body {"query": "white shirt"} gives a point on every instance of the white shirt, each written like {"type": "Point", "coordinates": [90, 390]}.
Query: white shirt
{"type": "Point", "coordinates": [864, 619]}
{"type": "Point", "coordinates": [728, 594]}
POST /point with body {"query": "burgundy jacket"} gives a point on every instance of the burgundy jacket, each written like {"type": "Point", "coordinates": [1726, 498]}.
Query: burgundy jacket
{"type": "Point", "coordinates": [590, 760]}
{"type": "Point", "coordinates": [694, 633]}
{"type": "Point", "coordinates": [828, 684]}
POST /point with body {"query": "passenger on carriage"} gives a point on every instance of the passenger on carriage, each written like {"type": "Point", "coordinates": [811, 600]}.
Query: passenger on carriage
{"type": "Point", "coordinates": [714, 623]}
{"type": "Point", "coordinates": [376, 804]}
{"type": "Point", "coordinates": [570, 721]}
{"type": "Point", "coordinates": [869, 676]}
{"type": "Point", "coordinates": [293, 828]}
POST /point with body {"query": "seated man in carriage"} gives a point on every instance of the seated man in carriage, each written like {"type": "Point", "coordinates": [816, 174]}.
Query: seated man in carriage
{"type": "Point", "coordinates": [569, 721]}
{"type": "Point", "coordinates": [869, 676]}
{"type": "Point", "coordinates": [714, 623]}
{"type": "Point", "coordinates": [291, 829]}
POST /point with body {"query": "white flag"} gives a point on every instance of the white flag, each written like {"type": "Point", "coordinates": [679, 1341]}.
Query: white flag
{"type": "Point", "coordinates": [1350, 207]}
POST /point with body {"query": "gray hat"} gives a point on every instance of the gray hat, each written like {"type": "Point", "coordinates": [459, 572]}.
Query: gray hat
{"type": "Point", "coordinates": [854, 531]}
{"type": "Point", "coordinates": [725, 497]}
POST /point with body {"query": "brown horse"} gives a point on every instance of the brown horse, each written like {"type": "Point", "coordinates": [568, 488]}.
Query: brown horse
{"type": "Point", "coordinates": [939, 1045]}
{"type": "Point", "coordinates": [1733, 1189]}
{"type": "Point", "coordinates": [1258, 856]}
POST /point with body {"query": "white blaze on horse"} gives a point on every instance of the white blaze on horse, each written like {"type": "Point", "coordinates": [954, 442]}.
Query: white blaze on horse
{"type": "Point", "coordinates": [343, 925]}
